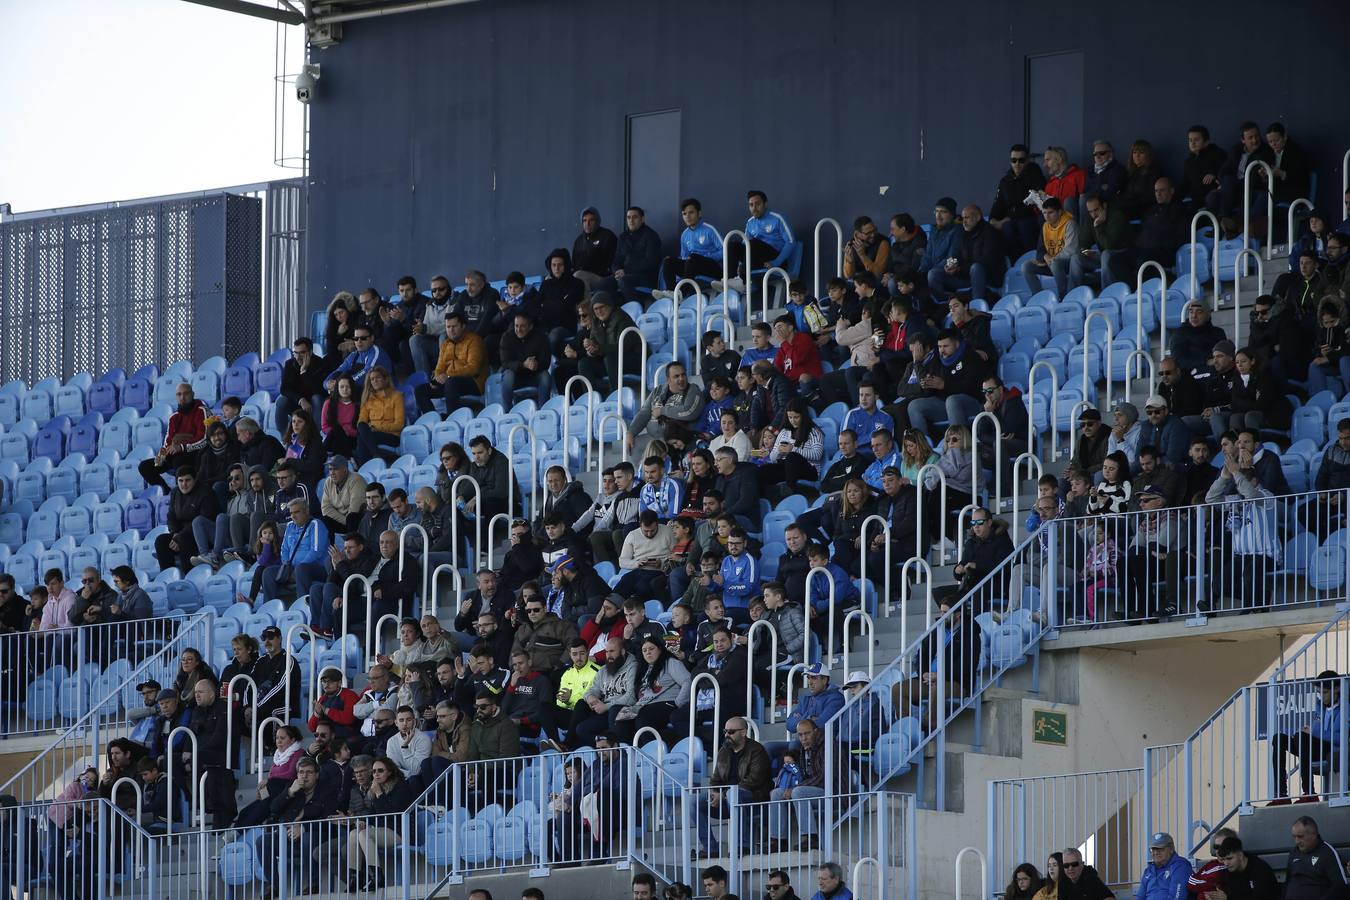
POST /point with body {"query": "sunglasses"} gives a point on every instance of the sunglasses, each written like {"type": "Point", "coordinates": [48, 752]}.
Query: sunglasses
{"type": "Point", "coordinates": [1076, 865]}
{"type": "Point", "coordinates": [534, 609]}
{"type": "Point", "coordinates": [988, 391]}
{"type": "Point", "coordinates": [482, 707]}
{"type": "Point", "coordinates": [380, 771]}
{"type": "Point", "coordinates": [362, 337]}
{"type": "Point", "coordinates": [730, 731]}
{"type": "Point", "coordinates": [1017, 160]}
{"type": "Point", "coordinates": [88, 581]}
{"type": "Point", "coordinates": [1101, 152]}
{"type": "Point", "coordinates": [978, 521]}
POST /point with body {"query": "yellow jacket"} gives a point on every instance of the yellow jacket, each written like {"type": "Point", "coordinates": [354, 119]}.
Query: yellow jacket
{"type": "Point", "coordinates": [1057, 235]}
{"type": "Point", "coordinates": [464, 358]}
{"type": "Point", "coordinates": [383, 413]}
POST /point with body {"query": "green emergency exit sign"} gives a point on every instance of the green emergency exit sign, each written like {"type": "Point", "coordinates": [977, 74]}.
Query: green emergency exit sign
{"type": "Point", "coordinates": [1050, 727]}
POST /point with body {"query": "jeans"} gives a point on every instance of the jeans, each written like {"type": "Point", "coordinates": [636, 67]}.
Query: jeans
{"type": "Point", "coordinates": [225, 533]}
{"type": "Point", "coordinates": [942, 285]}
{"type": "Point", "coordinates": [1318, 375]}
{"type": "Point", "coordinates": [926, 412]}
{"type": "Point", "coordinates": [543, 384]}
{"type": "Point", "coordinates": [426, 349]}
{"type": "Point", "coordinates": [302, 577]}
{"type": "Point", "coordinates": [454, 388]}
{"type": "Point", "coordinates": [371, 443]}
{"type": "Point", "coordinates": [1082, 265]}
{"type": "Point", "coordinates": [1032, 270]}
{"type": "Point", "coordinates": [281, 412]}
{"type": "Point", "coordinates": [701, 810]}
{"type": "Point", "coordinates": [805, 815]}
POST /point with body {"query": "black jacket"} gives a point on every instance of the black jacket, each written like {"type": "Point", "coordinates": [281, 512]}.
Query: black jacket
{"type": "Point", "coordinates": [208, 724]}
{"type": "Point", "coordinates": [986, 555]}
{"type": "Point", "coordinates": [104, 597]}
{"type": "Point", "coordinates": [264, 450]}
{"type": "Point", "coordinates": [594, 252]}
{"type": "Point", "coordinates": [1208, 161]}
{"type": "Point", "coordinates": [1216, 387]}
{"type": "Point", "coordinates": [900, 511]}
{"type": "Point", "coordinates": [1317, 875]}
{"type": "Point", "coordinates": [183, 508]}
{"type": "Point", "coordinates": [1013, 189]}
{"type": "Point", "coordinates": [522, 563]}
{"type": "Point", "coordinates": [513, 351]}
{"type": "Point", "coordinates": [841, 470]}
{"type": "Point", "coordinates": [572, 504]}
{"type": "Point", "coordinates": [792, 570]}
{"type": "Point", "coordinates": [1109, 182]}
{"type": "Point", "coordinates": [1262, 393]}
{"type": "Point", "coordinates": [299, 385]}
{"type": "Point", "coordinates": [1297, 168]}
{"type": "Point", "coordinates": [1164, 229]}
{"type": "Point", "coordinates": [984, 244]}
{"type": "Point", "coordinates": [395, 592]}
{"type": "Point", "coordinates": [1088, 887]}
{"type": "Point", "coordinates": [288, 807]}
{"type": "Point", "coordinates": [1192, 347]}
{"type": "Point", "coordinates": [1185, 397]}
{"type": "Point", "coordinates": [1256, 882]}
{"type": "Point", "coordinates": [740, 491]}
{"type": "Point", "coordinates": [212, 466]}
{"type": "Point", "coordinates": [638, 253]}
{"type": "Point", "coordinates": [558, 299]}
{"type": "Point", "coordinates": [962, 651]}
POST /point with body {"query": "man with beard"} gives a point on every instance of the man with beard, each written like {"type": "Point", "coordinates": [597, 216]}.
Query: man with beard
{"type": "Point", "coordinates": [185, 435]}
{"type": "Point", "coordinates": [613, 688]}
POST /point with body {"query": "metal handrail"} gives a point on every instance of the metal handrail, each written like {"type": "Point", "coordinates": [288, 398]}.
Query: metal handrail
{"type": "Point", "coordinates": [927, 572]}
{"type": "Point", "coordinates": [1247, 206]}
{"type": "Point", "coordinates": [492, 524]}
{"type": "Point", "coordinates": [791, 675]}
{"type": "Point", "coordinates": [590, 414]}
{"type": "Point", "coordinates": [313, 663]}
{"type": "Point", "coordinates": [435, 584]}
{"type": "Point", "coordinates": [826, 653]}
{"type": "Point", "coordinates": [1132, 367]}
{"type": "Point", "coordinates": [675, 298]}
{"type": "Point", "coordinates": [726, 266]}
{"type": "Point", "coordinates": [856, 876]}
{"type": "Point", "coordinates": [961, 530]}
{"type": "Point", "coordinates": [372, 653]}
{"type": "Point", "coordinates": [862, 561]}
{"type": "Point", "coordinates": [1237, 289]}
{"type": "Point", "coordinates": [511, 467]}
{"type": "Point", "coordinates": [354, 578]}
{"type": "Point", "coordinates": [642, 373]}
{"type": "Point", "coordinates": [984, 871]}
{"type": "Point", "coordinates": [168, 751]}
{"type": "Point", "coordinates": [942, 508]}
{"type": "Point", "coordinates": [1147, 265]}
{"type": "Point", "coordinates": [477, 519]}
{"type": "Point", "coordinates": [839, 250]}
{"type": "Point", "coordinates": [867, 626]}
{"type": "Point", "coordinates": [773, 653]}
{"type": "Point", "coordinates": [1214, 257]}
{"type": "Point", "coordinates": [1054, 403]}
{"type": "Point", "coordinates": [403, 552]}
{"type": "Point", "coordinates": [717, 716]}
{"type": "Point", "coordinates": [1074, 411]}
{"type": "Point", "coordinates": [764, 289]}
{"type": "Point", "coordinates": [1031, 460]}
{"type": "Point", "coordinates": [1110, 338]}
{"type": "Point", "coordinates": [1289, 233]}
{"type": "Point", "coordinates": [229, 703]}
{"type": "Point", "coordinates": [600, 448]}
{"type": "Point", "coordinates": [987, 416]}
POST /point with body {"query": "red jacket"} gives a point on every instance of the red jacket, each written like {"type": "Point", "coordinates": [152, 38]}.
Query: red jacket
{"type": "Point", "coordinates": [192, 422]}
{"type": "Point", "coordinates": [591, 634]}
{"type": "Point", "coordinates": [799, 357]}
{"type": "Point", "coordinates": [1208, 877]}
{"type": "Point", "coordinates": [1062, 187]}
{"type": "Point", "coordinates": [340, 709]}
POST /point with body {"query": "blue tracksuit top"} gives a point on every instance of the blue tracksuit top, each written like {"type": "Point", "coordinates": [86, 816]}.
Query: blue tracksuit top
{"type": "Point", "coordinates": [771, 228]}
{"type": "Point", "coordinates": [712, 415]}
{"type": "Point", "coordinates": [703, 240]}
{"type": "Point", "coordinates": [359, 363]}
{"type": "Point", "coordinates": [864, 423]}
{"type": "Point", "coordinates": [740, 580]}
{"type": "Point", "coordinates": [1165, 883]}
{"type": "Point", "coordinates": [943, 244]}
{"type": "Point", "coordinates": [664, 498]}
{"type": "Point", "coordinates": [845, 591]}
{"type": "Point", "coordinates": [307, 545]}
{"type": "Point", "coordinates": [873, 474]}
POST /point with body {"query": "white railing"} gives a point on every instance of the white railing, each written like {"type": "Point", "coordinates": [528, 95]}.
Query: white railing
{"type": "Point", "coordinates": [997, 504]}
{"type": "Point", "coordinates": [535, 478]}
{"type": "Point", "coordinates": [642, 371]}
{"type": "Point", "coordinates": [1106, 353]}
{"type": "Point", "coordinates": [1054, 406]}
{"type": "Point", "coordinates": [1242, 256]}
{"type": "Point", "coordinates": [726, 267]}
{"type": "Point", "coordinates": [590, 417]}
{"type": "Point", "coordinates": [1149, 266]}
{"type": "Point", "coordinates": [838, 251]}
{"type": "Point", "coordinates": [1214, 254]}
{"type": "Point", "coordinates": [403, 553]}
{"type": "Point", "coordinates": [771, 710]}
{"type": "Point", "coordinates": [764, 289]}
{"type": "Point", "coordinates": [865, 627]}
{"type": "Point", "coordinates": [827, 654]}
{"type": "Point", "coordinates": [675, 299]}
{"type": "Point", "coordinates": [984, 871]}
{"type": "Point", "coordinates": [1247, 206]}
{"type": "Point", "coordinates": [1289, 233]}
{"type": "Point", "coordinates": [477, 519]}
{"type": "Point", "coordinates": [863, 553]}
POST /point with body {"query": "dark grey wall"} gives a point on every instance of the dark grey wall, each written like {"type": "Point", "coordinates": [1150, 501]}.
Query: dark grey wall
{"type": "Point", "coordinates": [472, 136]}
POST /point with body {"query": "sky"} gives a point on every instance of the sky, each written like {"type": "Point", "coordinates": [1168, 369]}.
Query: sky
{"type": "Point", "coordinates": [117, 99]}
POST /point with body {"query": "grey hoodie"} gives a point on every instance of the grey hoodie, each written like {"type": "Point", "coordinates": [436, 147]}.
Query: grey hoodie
{"type": "Point", "coordinates": [684, 407]}
{"type": "Point", "coordinates": [618, 688]}
{"type": "Point", "coordinates": [247, 502]}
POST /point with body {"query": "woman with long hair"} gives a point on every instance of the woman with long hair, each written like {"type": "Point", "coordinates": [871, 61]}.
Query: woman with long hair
{"type": "Point", "coordinates": [389, 796]}
{"type": "Point", "coordinates": [266, 552]}
{"type": "Point", "coordinates": [701, 479]}
{"type": "Point", "coordinates": [191, 669]}
{"type": "Point", "coordinates": [1113, 494]}
{"type": "Point", "coordinates": [1024, 884]}
{"type": "Point", "coordinates": [1141, 173]}
{"type": "Point", "coordinates": [337, 421]}
{"type": "Point", "coordinates": [798, 450]}
{"type": "Point", "coordinates": [304, 444]}
{"type": "Point", "coordinates": [337, 333]}
{"type": "Point", "coordinates": [662, 688]}
{"type": "Point", "coordinates": [454, 462]}
{"type": "Point", "coordinates": [1054, 867]}
{"type": "Point", "coordinates": [855, 505]}
{"type": "Point", "coordinates": [915, 453]}
{"type": "Point", "coordinates": [380, 420]}
{"type": "Point", "coordinates": [955, 465]}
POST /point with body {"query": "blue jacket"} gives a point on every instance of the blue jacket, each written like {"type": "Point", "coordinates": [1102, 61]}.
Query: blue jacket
{"type": "Point", "coordinates": [845, 591]}
{"type": "Point", "coordinates": [771, 228]}
{"type": "Point", "coordinates": [703, 240]}
{"type": "Point", "coordinates": [1328, 725]}
{"type": "Point", "coordinates": [750, 355]}
{"type": "Point", "coordinates": [1165, 883]}
{"type": "Point", "coordinates": [863, 722]}
{"type": "Point", "coordinates": [664, 499]}
{"type": "Point", "coordinates": [873, 474]}
{"type": "Point", "coordinates": [740, 580]}
{"type": "Point", "coordinates": [943, 244]}
{"type": "Point", "coordinates": [308, 545]}
{"type": "Point", "coordinates": [820, 708]}
{"type": "Point", "coordinates": [842, 894]}
{"type": "Point", "coordinates": [864, 424]}
{"type": "Point", "coordinates": [712, 414]}
{"type": "Point", "coordinates": [360, 362]}
{"type": "Point", "coordinates": [1173, 440]}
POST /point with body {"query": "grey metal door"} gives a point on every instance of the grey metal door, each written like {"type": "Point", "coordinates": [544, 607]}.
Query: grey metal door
{"type": "Point", "coordinates": [1055, 104]}
{"type": "Point", "coordinates": [653, 171]}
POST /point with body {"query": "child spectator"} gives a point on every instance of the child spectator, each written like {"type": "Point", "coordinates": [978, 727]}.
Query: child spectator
{"type": "Point", "coordinates": [1099, 570]}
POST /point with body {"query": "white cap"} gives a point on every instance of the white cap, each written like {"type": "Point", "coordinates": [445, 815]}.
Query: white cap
{"type": "Point", "coordinates": [858, 677]}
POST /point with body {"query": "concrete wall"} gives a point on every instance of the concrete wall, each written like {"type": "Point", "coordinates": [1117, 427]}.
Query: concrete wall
{"type": "Point", "coordinates": [472, 136]}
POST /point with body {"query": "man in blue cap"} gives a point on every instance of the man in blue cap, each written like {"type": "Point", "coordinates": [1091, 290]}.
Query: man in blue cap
{"type": "Point", "coordinates": [1166, 876]}
{"type": "Point", "coordinates": [821, 700]}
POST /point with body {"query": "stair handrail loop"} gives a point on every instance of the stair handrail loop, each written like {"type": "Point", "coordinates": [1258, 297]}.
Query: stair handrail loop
{"type": "Point", "coordinates": [230, 696]}
{"type": "Point", "coordinates": [477, 519]}
{"type": "Point", "coordinates": [1110, 337]}
{"type": "Point", "coordinates": [1133, 369]}
{"type": "Point", "coordinates": [984, 867]}
{"type": "Point", "coordinates": [304, 628]}
{"type": "Point", "coordinates": [717, 717]}
{"type": "Point", "coordinates": [590, 415]}
{"type": "Point", "coordinates": [791, 680]}
{"type": "Point", "coordinates": [642, 372]}
{"type": "Point", "coordinates": [258, 745]}
{"type": "Point", "coordinates": [919, 492]}
{"type": "Point", "coordinates": [196, 772]}
{"type": "Point", "coordinates": [985, 416]}
{"type": "Point", "coordinates": [1345, 185]}
{"type": "Point", "coordinates": [1247, 206]}
{"type": "Point", "coordinates": [1289, 233]}
{"type": "Point", "coordinates": [658, 792]}
{"type": "Point", "coordinates": [839, 249]}
{"type": "Point", "coordinates": [1033, 462]}
{"type": "Point", "coordinates": [403, 552]}
{"type": "Point", "coordinates": [492, 524]}
{"type": "Point", "coordinates": [1147, 266]}
{"type": "Point", "coordinates": [1054, 402]}
{"type": "Point", "coordinates": [726, 269]}
{"type": "Point", "coordinates": [927, 572]}
{"type": "Point", "coordinates": [862, 561]}
{"type": "Point", "coordinates": [866, 626]}
{"type": "Point", "coordinates": [600, 448]}
{"type": "Point", "coordinates": [1237, 288]}
{"type": "Point", "coordinates": [856, 874]}
{"type": "Point", "coordinates": [969, 508]}
{"type": "Point", "coordinates": [1214, 260]}
{"type": "Point", "coordinates": [826, 653]}
{"type": "Point", "coordinates": [675, 298]}
{"type": "Point", "coordinates": [1074, 412]}
{"type": "Point", "coordinates": [457, 579]}
{"type": "Point", "coordinates": [379, 626]}
{"type": "Point", "coordinates": [354, 578]}
{"type": "Point", "coordinates": [764, 290]}
{"type": "Point", "coordinates": [773, 653]}
{"type": "Point", "coordinates": [511, 469]}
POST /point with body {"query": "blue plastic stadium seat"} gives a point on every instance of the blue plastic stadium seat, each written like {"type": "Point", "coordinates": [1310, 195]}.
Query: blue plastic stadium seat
{"type": "Point", "coordinates": [51, 440]}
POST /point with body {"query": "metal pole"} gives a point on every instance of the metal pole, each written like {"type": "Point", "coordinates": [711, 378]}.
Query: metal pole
{"type": "Point", "coordinates": [862, 562]}
{"type": "Point", "coordinates": [987, 416]}
{"type": "Point", "coordinates": [1247, 205]}
{"type": "Point", "coordinates": [773, 653]}
{"type": "Point", "coordinates": [942, 501]}
{"type": "Point", "coordinates": [642, 373]}
{"type": "Point", "coordinates": [1087, 382]}
{"type": "Point", "coordinates": [764, 290]}
{"type": "Point", "coordinates": [1054, 405]}
{"type": "Point", "coordinates": [590, 414]}
{"type": "Point", "coordinates": [1237, 288]}
{"type": "Point", "coordinates": [698, 322]}
{"type": "Point", "coordinates": [1214, 256]}
{"type": "Point", "coordinates": [726, 268]}
{"type": "Point", "coordinates": [866, 620]}
{"type": "Point", "coordinates": [1289, 234]}
{"type": "Point", "coordinates": [827, 653]}
{"type": "Point", "coordinates": [1139, 306]}
{"type": "Point", "coordinates": [477, 520]}
{"type": "Point", "coordinates": [717, 717]}
{"type": "Point", "coordinates": [403, 552]}
{"type": "Point", "coordinates": [534, 464]}
{"type": "Point", "coordinates": [839, 249]}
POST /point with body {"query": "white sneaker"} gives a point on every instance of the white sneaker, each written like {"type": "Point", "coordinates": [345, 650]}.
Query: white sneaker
{"type": "Point", "coordinates": [735, 284]}
{"type": "Point", "coordinates": [662, 295]}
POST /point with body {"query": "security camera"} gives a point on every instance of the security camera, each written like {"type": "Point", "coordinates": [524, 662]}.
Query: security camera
{"type": "Point", "coordinates": [306, 82]}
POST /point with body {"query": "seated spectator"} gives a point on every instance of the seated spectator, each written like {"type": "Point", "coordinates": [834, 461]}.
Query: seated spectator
{"type": "Point", "coordinates": [1303, 290]}
{"type": "Point", "coordinates": [544, 636]}
{"type": "Point", "coordinates": [596, 630]}
{"type": "Point", "coordinates": [700, 251]}
{"type": "Point", "coordinates": [514, 298]}
{"type": "Point", "coordinates": [476, 303]}
{"type": "Point", "coordinates": [1198, 471]}
{"type": "Point", "coordinates": [1200, 171]}
{"type": "Point", "coordinates": [1064, 181]}
{"type": "Point", "coordinates": [670, 412]}
{"type": "Point", "coordinates": [978, 263]}
{"type": "Point", "coordinates": [701, 478]}
{"type": "Point", "coordinates": [1009, 212]}
{"type": "Point", "coordinates": [719, 360]}
{"type": "Point", "coordinates": [1009, 408]}
{"type": "Point", "coordinates": [850, 463]}
{"type": "Point", "coordinates": [1164, 431]}
{"type": "Point", "coordinates": [944, 242]}
{"type": "Point", "coordinates": [302, 381]}
{"type": "Point", "coordinates": [1280, 340]}
{"type": "Point", "coordinates": [1318, 741]}
{"type": "Point", "coordinates": [1112, 493]}
{"type": "Point", "coordinates": [1107, 178]}
{"type": "Point", "coordinates": [1257, 400]}
{"type": "Point", "coordinates": [661, 687]}
{"type": "Point", "coordinates": [957, 383]}
{"type": "Point", "coordinates": [1143, 171]}
{"type": "Point", "coordinates": [613, 687]}
{"type": "Point", "coordinates": [644, 557]}
{"type": "Point", "coordinates": [1125, 432]}
{"type": "Point", "coordinates": [947, 666]}
{"type": "Point", "coordinates": [214, 460]}
{"type": "Point", "coordinates": [257, 448]}
{"type": "Point", "coordinates": [737, 484]}
{"type": "Point", "coordinates": [910, 386]}
{"type": "Point", "coordinates": [637, 257]}
{"type": "Point", "coordinates": [304, 548]}
{"type": "Point", "coordinates": [337, 333]}
{"type": "Point", "coordinates": [819, 702]}
{"type": "Point", "coordinates": [304, 448]}
{"type": "Point", "coordinates": [593, 250]}
{"type": "Point", "coordinates": [1155, 473]}
{"type": "Point", "coordinates": [1166, 227]}
{"type": "Point", "coordinates": [1226, 200]}
{"type": "Point", "coordinates": [1290, 163]}
{"type": "Point", "coordinates": [860, 339]}
{"type": "Point", "coordinates": [183, 438]}
{"type": "Point", "coordinates": [830, 597]}
{"type": "Point", "coordinates": [815, 319]}
{"type": "Point", "coordinates": [389, 797]}
{"type": "Point", "coordinates": [767, 234]}
{"type": "Point", "coordinates": [797, 357]}
{"type": "Point", "coordinates": [987, 547]}
{"type": "Point", "coordinates": [955, 465]}
{"type": "Point", "coordinates": [738, 577]}
{"type": "Point", "coordinates": [1314, 238]}
{"type": "Point", "coordinates": [730, 668]}
{"type": "Point", "coordinates": [1090, 449]}
{"type": "Point", "coordinates": [884, 453]}
{"type": "Point", "coordinates": [381, 418]}
{"type": "Point", "coordinates": [973, 326]}
{"type": "Point", "coordinates": [908, 243]}
{"type": "Point", "coordinates": [208, 724]}
{"type": "Point", "coordinates": [343, 498]}
{"type": "Point", "coordinates": [335, 704]}
{"type": "Point", "coordinates": [867, 250]}
{"type": "Point", "coordinates": [337, 418]}
{"type": "Point", "coordinates": [449, 744]}
{"type": "Point", "coordinates": [427, 331]}
{"type": "Point", "coordinates": [374, 515]}
{"type": "Point", "coordinates": [531, 700]}
{"type": "Point", "coordinates": [461, 367]}
{"type": "Point", "coordinates": [1337, 270]}
{"type": "Point", "coordinates": [1247, 870]}
{"type": "Point", "coordinates": [189, 501]}
{"type": "Point", "coordinates": [761, 345]}
{"type": "Point", "coordinates": [798, 450]}
{"type": "Point", "coordinates": [524, 355]}
{"type": "Point", "coordinates": [363, 360]}
{"type": "Point", "coordinates": [567, 500]}
{"type": "Point", "coordinates": [1103, 233]}
{"type": "Point", "coordinates": [1253, 542]}
{"type": "Point", "coordinates": [1056, 249]}
{"type": "Point", "coordinates": [915, 453]}
{"type": "Point", "coordinates": [599, 362]}
{"type": "Point", "coordinates": [741, 777]}
{"type": "Point", "coordinates": [1265, 463]}
{"type": "Point", "coordinates": [1183, 395]}
{"type": "Point", "coordinates": [60, 600]}
{"type": "Point", "coordinates": [1324, 514]}
{"type": "Point", "coordinates": [1216, 384]}
{"type": "Point", "coordinates": [785, 615]}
